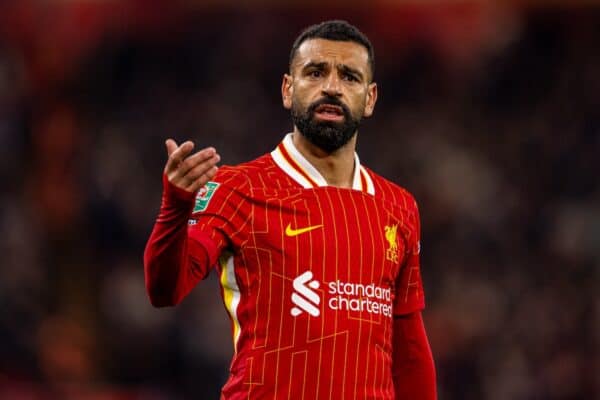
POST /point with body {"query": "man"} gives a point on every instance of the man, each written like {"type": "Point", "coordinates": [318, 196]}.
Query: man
{"type": "Point", "coordinates": [318, 256]}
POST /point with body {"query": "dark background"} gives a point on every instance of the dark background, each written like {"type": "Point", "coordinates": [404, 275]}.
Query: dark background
{"type": "Point", "coordinates": [489, 113]}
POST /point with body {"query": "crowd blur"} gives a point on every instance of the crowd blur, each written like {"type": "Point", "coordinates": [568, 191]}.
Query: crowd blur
{"type": "Point", "coordinates": [489, 115]}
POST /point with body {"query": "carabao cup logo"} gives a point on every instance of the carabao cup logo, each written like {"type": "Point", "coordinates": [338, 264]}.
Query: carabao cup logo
{"type": "Point", "coordinates": [304, 297]}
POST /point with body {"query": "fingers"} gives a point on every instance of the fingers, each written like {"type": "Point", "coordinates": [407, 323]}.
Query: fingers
{"type": "Point", "coordinates": [194, 160]}
{"type": "Point", "coordinates": [179, 173]}
{"type": "Point", "coordinates": [171, 146]}
{"type": "Point", "coordinates": [201, 165]}
{"type": "Point", "coordinates": [204, 169]}
{"type": "Point", "coordinates": [177, 154]}
{"type": "Point", "coordinates": [190, 172]}
{"type": "Point", "coordinates": [202, 179]}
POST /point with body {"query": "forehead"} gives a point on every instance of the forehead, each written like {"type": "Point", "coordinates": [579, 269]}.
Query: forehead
{"type": "Point", "coordinates": [332, 51]}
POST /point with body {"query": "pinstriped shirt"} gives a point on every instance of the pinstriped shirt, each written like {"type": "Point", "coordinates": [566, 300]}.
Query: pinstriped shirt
{"type": "Point", "coordinates": [311, 276]}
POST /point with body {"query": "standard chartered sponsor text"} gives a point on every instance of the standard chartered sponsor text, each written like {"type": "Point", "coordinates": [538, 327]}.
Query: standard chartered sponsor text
{"type": "Point", "coordinates": [359, 297]}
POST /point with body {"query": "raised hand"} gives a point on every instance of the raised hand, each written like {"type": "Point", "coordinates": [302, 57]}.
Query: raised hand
{"type": "Point", "coordinates": [190, 172]}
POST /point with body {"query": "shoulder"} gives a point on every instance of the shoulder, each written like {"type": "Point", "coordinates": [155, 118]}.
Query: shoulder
{"type": "Point", "coordinates": [245, 175]}
{"type": "Point", "coordinates": [230, 186]}
{"type": "Point", "coordinates": [256, 173]}
{"type": "Point", "coordinates": [392, 192]}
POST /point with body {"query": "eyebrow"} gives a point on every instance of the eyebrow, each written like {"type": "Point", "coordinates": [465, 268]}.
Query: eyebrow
{"type": "Point", "coordinates": [342, 67]}
{"type": "Point", "coordinates": [314, 64]}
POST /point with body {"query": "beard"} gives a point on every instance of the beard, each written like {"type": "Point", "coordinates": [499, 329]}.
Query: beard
{"type": "Point", "coordinates": [327, 135]}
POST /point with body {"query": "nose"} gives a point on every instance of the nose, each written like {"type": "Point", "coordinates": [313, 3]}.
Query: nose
{"type": "Point", "coordinates": [331, 86]}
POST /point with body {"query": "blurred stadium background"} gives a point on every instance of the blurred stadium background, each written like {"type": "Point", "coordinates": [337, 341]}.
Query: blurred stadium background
{"type": "Point", "coordinates": [489, 113]}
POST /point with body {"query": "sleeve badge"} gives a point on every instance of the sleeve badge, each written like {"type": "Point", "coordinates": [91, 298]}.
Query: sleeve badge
{"type": "Point", "coordinates": [204, 195]}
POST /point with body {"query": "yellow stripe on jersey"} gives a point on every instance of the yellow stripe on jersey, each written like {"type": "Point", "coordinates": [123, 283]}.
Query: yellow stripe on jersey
{"type": "Point", "coordinates": [292, 162]}
{"type": "Point", "coordinates": [289, 169]}
{"type": "Point", "coordinates": [231, 294]}
{"type": "Point", "coordinates": [370, 186]}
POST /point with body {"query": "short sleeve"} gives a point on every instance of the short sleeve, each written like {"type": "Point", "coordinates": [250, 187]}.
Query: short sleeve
{"type": "Point", "coordinates": [409, 296]}
{"type": "Point", "coordinates": [221, 213]}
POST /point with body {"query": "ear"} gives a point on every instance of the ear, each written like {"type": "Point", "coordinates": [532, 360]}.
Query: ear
{"type": "Point", "coordinates": [371, 100]}
{"type": "Point", "coordinates": [287, 89]}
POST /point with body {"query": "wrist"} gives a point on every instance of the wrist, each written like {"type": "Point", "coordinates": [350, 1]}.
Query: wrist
{"type": "Point", "coordinates": [173, 195]}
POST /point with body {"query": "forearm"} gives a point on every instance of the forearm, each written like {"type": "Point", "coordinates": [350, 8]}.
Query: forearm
{"type": "Point", "coordinates": [170, 270]}
{"type": "Point", "coordinates": [413, 368]}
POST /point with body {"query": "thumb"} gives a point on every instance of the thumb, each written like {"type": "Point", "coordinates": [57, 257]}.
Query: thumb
{"type": "Point", "coordinates": [171, 146]}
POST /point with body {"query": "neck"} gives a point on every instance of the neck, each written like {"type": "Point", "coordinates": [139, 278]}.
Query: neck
{"type": "Point", "coordinates": [337, 168]}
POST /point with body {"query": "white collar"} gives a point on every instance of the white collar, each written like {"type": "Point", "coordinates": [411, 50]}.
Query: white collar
{"type": "Point", "coordinates": [293, 163]}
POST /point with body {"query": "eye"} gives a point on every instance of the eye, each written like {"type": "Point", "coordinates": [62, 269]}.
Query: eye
{"type": "Point", "coordinates": [349, 78]}
{"type": "Point", "coordinates": [315, 73]}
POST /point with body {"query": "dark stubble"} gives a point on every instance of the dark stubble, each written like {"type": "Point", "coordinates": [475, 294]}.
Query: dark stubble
{"type": "Point", "coordinates": [327, 135]}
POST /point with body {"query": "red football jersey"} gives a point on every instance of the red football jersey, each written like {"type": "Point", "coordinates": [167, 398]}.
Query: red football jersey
{"type": "Point", "coordinates": [311, 276]}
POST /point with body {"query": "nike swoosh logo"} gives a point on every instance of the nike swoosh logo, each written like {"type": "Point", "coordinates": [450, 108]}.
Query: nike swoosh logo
{"type": "Point", "coordinates": [295, 232]}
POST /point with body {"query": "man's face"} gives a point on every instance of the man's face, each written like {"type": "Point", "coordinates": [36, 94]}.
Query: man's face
{"type": "Point", "coordinates": [329, 91]}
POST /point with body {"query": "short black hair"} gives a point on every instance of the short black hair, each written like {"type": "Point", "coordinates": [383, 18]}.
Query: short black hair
{"type": "Point", "coordinates": [335, 30]}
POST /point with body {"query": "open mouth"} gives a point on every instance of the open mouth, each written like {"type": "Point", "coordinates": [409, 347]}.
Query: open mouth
{"type": "Point", "coordinates": [329, 112]}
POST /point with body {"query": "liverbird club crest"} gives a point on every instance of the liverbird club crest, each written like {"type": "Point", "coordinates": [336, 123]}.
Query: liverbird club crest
{"type": "Point", "coordinates": [391, 253]}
